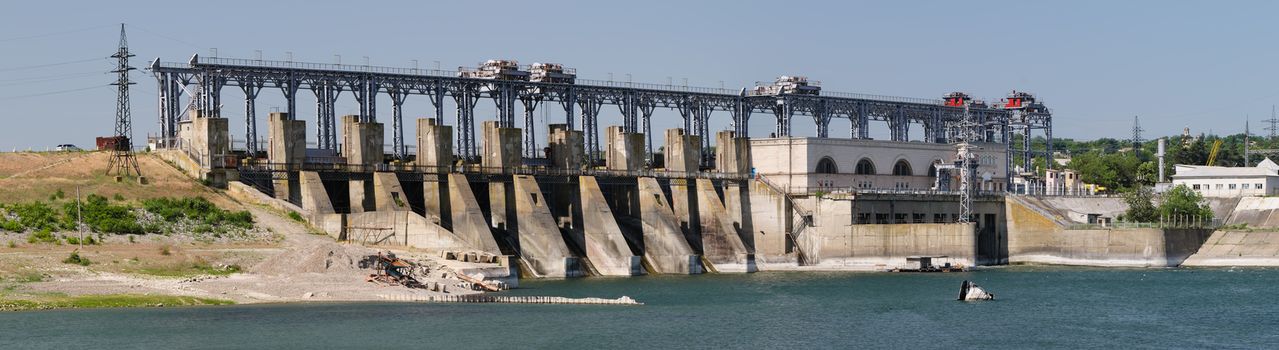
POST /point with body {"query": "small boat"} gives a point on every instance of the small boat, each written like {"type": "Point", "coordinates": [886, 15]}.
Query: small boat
{"type": "Point", "coordinates": [971, 292]}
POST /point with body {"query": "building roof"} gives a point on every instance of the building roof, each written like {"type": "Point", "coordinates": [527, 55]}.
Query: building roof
{"type": "Point", "coordinates": [1265, 168]}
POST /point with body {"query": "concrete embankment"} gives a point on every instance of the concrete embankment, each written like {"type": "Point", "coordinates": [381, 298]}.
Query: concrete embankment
{"type": "Point", "coordinates": [1238, 248]}
{"type": "Point", "coordinates": [1036, 237]}
{"type": "Point", "coordinates": [1254, 243]}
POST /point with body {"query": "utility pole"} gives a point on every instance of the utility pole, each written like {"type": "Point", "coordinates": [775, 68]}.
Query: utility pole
{"type": "Point", "coordinates": [79, 219]}
{"type": "Point", "coordinates": [123, 162]}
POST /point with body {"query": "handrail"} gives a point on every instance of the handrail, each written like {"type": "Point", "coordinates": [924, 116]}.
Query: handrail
{"type": "Point", "coordinates": [478, 169]}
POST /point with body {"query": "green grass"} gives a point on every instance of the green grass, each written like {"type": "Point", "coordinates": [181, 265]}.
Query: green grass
{"type": "Point", "coordinates": [57, 301]}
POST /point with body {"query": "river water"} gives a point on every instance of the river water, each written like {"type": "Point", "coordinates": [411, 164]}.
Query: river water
{"type": "Point", "coordinates": [1036, 307]}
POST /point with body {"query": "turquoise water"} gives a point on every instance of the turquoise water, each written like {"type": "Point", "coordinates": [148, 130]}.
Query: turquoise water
{"type": "Point", "coordinates": [1037, 307]}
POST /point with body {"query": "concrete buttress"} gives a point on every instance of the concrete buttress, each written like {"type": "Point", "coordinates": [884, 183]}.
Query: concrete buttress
{"type": "Point", "coordinates": [665, 248]}
{"type": "Point", "coordinates": [541, 245]}
{"type": "Point", "coordinates": [722, 244]}
{"type": "Point", "coordinates": [606, 246]}
{"type": "Point", "coordinates": [388, 195]}
{"type": "Point", "coordinates": [468, 218]}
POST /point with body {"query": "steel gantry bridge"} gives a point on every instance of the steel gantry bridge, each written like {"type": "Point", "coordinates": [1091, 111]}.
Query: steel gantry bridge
{"type": "Point", "coordinates": [510, 85]}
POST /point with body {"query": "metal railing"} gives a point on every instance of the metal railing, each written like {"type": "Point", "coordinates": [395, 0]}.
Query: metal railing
{"type": "Point", "coordinates": [1165, 222]}
{"type": "Point", "coordinates": [478, 169]}
{"type": "Point", "coordinates": [323, 66]}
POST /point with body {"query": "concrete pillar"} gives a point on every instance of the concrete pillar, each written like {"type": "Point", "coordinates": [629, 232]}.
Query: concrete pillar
{"type": "Point", "coordinates": [665, 248]}
{"type": "Point", "coordinates": [606, 246]}
{"type": "Point", "coordinates": [565, 147]}
{"type": "Point", "coordinates": [722, 244]}
{"type": "Point", "coordinates": [625, 150]}
{"type": "Point", "coordinates": [362, 147]}
{"type": "Point", "coordinates": [435, 155]}
{"type": "Point", "coordinates": [286, 144]}
{"type": "Point", "coordinates": [541, 244]}
{"type": "Point", "coordinates": [467, 216]}
{"type": "Point", "coordinates": [362, 141]}
{"type": "Point", "coordinates": [683, 153]}
{"type": "Point", "coordinates": [502, 149]}
{"type": "Point", "coordinates": [732, 155]}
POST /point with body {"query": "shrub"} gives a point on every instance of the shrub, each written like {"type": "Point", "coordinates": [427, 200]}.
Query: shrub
{"type": "Point", "coordinates": [57, 195]}
{"type": "Point", "coordinates": [73, 240]}
{"type": "Point", "coordinates": [76, 259]}
{"type": "Point", "coordinates": [35, 215]}
{"type": "Point", "coordinates": [118, 198]}
{"type": "Point", "coordinates": [197, 209]}
{"type": "Point", "coordinates": [42, 236]}
{"type": "Point", "coordinates": [12, 244]}
{"type": "Point", "coordinates": [295, 216]}
{"type": "Point", "coordinates": [165, 250]}
{"type": "Point", "coordinates": [102, 216]}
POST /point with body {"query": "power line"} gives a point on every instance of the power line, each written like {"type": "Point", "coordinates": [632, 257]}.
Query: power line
{"type": "Point", "coordinates": [49, 65]}
{"type": "Point", "coordinates": [47, 93]}
{"type": "Point", "coordinates": [37, 81]}
{"type": "Point", "coordinates": [55, 76]}
{"type": "Point", "coordinates": [37, 36]}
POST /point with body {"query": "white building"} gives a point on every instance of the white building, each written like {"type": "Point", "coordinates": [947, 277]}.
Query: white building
{"type": "Point", "coordinates": [1216, 181]}
{"type": "Point", "coordinates": [810, 164]}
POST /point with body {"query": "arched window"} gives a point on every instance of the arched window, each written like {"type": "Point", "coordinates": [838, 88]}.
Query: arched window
{"type": "Point", "coordinates": [902, 168]}
{"type": "Point", "coordinates": [865, 167]}
{"type": "Point", "coordinates": [932, 170]}
{"type": "Point", "coordinates": [827, 166]}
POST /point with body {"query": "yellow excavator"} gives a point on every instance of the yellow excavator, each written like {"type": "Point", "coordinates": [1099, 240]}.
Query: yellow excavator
{"type": "Point", "coordinates": [1212, 155]}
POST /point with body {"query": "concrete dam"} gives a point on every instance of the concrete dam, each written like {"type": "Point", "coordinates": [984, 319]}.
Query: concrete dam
{"type": "Point", "coordinates": [603, 202]}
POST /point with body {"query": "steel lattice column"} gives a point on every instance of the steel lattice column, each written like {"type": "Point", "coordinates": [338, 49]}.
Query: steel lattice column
{"type": "Point", "coordinates": [590, 117]}
{"type": "Point", "coordinates": [398, 96]}
{"type": "Point", "coordinates": [646, 113]}
{"type": "Point", "coordinates": [466, 97]}
{"type": "Point", "coordinates": [251, 90]}
{"type": "Point", "coordinates": [530, 103]}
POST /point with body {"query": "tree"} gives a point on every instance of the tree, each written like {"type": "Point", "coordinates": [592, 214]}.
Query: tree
{"type": "Point", "coordinates": [1181, 201]}
{"type": "Point", "coordinates": [1141, 206]}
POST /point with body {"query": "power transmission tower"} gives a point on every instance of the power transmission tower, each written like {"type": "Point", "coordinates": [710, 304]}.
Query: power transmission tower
{"type": "Point", "coordinates": [966, 171]}
{"type": "Point", "coordinates": [1273, 123]}
{"type": "Point", "coordinates": [123, 161]}
{"type": "Point", "coordinates": [1136, 136]}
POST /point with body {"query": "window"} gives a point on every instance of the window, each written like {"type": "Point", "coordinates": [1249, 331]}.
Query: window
{"type": "Point", "coordinates": [1195, 187]}
{"type": "Point", "coordinates": [902, 168]}
{"type": "Point", "coordinates": [918, 218]}
{"type": "Point", "coordinates": [1257, 186]}
{"type": "Point", "coordinates": [1232, 186]}
{"type": "Point", "coordinates": [1219, 186]}
{"type": "Point", "coordinates": [932, 170]}
{"type": "Point", "coordinates": [939, 218]}
{"type": "Point", "coordinates": [1245, 186]}
{"type": "Point", "coordinates": [865, 167]}
{"type": "Point", "coordinates": [827, 166]}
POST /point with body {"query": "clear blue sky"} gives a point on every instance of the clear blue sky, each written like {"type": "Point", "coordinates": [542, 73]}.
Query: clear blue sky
{"type": "Point", "coordinates": [1205, 65]}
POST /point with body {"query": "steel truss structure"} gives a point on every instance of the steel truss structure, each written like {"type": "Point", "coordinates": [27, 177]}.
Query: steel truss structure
{"type": "Point", "coordinates": [582, 102]}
